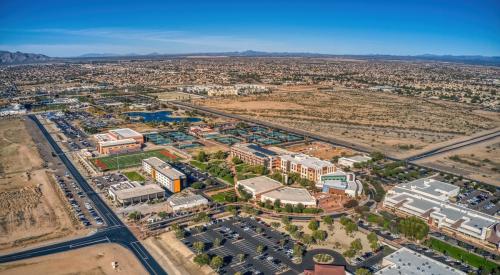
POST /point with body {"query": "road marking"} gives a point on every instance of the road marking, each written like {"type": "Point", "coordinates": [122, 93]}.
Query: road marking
{"type": "Point", "coordinates": [139, 250]}
{"type": "Point", "coordinates": [89, 242]}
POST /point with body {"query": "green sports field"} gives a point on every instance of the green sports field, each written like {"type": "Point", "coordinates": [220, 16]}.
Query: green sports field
{"type": "Point", "coordinates": [130, 160]}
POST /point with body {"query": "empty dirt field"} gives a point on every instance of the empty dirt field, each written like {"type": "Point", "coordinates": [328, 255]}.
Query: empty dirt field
{"type": "Point", "coordinates": [31, 210]}
{"type": "Point", "coordinates": [320, 150]}
{"type": "Point", "coordinates": [396, 125]}
{"type": "Point", "coordinates": [94, 260]}
{"type": "Point", "coordinates": [479, 162]}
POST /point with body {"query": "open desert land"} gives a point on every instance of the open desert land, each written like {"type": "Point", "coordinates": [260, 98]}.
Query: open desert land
{"type": "Point", "coordinates": [320, 150]}
{"type": "Point", "coordinates": [94, 260]}
{"type": "Point", "coordinates": [174, 256]}
{"type": "Point", "coordinates": [31, 209]}
{"type": "Point", "coordinates": [480, 161]}
{"type": "Point", "coordinates": [169, 96]}
{"type": "Point", "coordinates": [396, 125]}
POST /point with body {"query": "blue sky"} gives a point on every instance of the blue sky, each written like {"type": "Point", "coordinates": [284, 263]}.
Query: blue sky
{"type": "Point", "coordinates": [404, 27]}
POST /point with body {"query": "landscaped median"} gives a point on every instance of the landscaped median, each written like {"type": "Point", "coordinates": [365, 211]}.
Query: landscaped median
{"type": "Point", "coordinates": [123, 161]}
{"type": "Point", "coordinates": [462, 255]}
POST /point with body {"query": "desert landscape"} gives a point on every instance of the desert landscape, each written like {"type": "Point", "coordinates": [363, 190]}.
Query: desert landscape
{"type": "Point", "coordinates": [396, 125]}
{"type": "Point", "coordinates": [31, 209]}
{"type": "Point", "coordinates": [480, 162]}
{"type": "Point", "coordinates": [94, 260]}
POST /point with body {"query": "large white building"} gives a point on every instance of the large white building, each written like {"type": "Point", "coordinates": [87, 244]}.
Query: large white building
{"type": "Point", "coordinates": [167, 176]}
{"type": "Point", "coordinates": [307, 167]}
{"type": "Point", "coordinates": [429, 199]}
{"type": "Point", "coordinates": [127, 192]}
{"type": "Point", "coordinates": [408, 262]}
{"type": "Point", "coordinates": [341, 182]}
{"type": "Point", "coordinates": [350, 161]}
{"type": "Point", "coordinates": [186, 201]}
{"type": "Point", "coordinates": [290, 195]}
{"type": "Point", "coordinates": [258, 185]}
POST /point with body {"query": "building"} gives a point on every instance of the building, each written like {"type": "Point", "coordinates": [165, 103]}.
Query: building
{"type": "Point", "coordinates": [290, 195]}
{"type": "Point", "coordinates": [119, 141]}
{"type": "Point", "coordinates": [350, 161]}
{"type": "Point", "coordinates": [186, 201]}
{"type": "Point", "coordinates": [429, 200]}
{"type": "Point", "coordinates": [255, 155]}
{"type": "Point", "coordinates": [13, 110]}
{"type": "Point", "coordinates": [408, 262]}
{"type": "Point", "coordinates": [258, 185]}
{"type": "Point", "coordinates": [127, 192]}
{"type": "Point", "coordinates": [167, 176]}
{"type": "Point", "coordinates": [340, 182]}
{"type": "Point", "coordinates": [307, 167]}
{"type": "Point", "coordinates": [326, 269]}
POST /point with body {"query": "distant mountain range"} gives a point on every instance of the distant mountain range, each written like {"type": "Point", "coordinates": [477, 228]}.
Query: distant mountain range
{"type": "Point", "coordinates": [19, 58]}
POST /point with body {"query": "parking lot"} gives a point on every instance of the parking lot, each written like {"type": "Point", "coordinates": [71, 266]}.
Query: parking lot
{"type": "Point", "coordinates": [240, 236]}
{"type": "Point", "coordinates": [447, 260]}
{"type": "Point", "coordinates": [479, 200]}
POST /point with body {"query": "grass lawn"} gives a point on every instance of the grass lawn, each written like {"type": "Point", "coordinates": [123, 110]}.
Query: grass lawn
{"type": "Point", "coordinates": [460, 254]}
{"type": "Point", "coordinates": [220, 197]}
{"type": "Point", "coordinates": [200, 165]}
{"type": "Point", "coordinates": [134, 176]}
{"type": "Point", "coordinates": [229, 178]}
{"type": "Point", "coordinates": [131, 160]}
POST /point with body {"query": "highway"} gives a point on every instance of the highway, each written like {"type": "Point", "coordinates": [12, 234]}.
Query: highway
{"type": "Point", "coordinates": [455, 146]}
{"type": "Point", "coordinates": [114, 232]}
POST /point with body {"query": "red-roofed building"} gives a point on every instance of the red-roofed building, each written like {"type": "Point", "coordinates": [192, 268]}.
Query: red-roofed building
{"type": "Point", "coordinates": [326, 269]}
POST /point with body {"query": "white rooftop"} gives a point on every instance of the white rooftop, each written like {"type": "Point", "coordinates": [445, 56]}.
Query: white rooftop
{"type": "Point", "coordinates": [307, 161]}
{"type": "Point", "coordinates": [126, 132]}
{"type": "Point", "coordinates": [190, 199]}
{"type": "Point", "coordinates": [259, 184]}
{"type": "Point", "coordinates": [291, 194]}
{"type": "Point", "coordinates": [407, 262]}
{"type": "Point", "coordinates": [137, 191]}
{"type": "Point", "coordinates": [430, 187]}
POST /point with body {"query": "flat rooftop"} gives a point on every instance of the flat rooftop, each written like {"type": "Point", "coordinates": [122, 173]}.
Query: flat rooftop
{"type": "Point", "coordinates": [357, 158]}
{"type": "Point", "coordinates": [307, 161]}
{"type": "Point", "coordinates": [164, 168]}
{"type": "Point", "coordinates": [255, 149]}
{"type": "Point", "coordinates": [138, 191]}
{"type": "Point", "coordinates": [260, 184]}
{"type": "Point", "coordinates": [291, 194]}
{"type": "Point", "coordinates": [407, 262]}
{"type": "Point", "coordinates": [189, 199]}
{"type": "Point", "coordinates": [110, 143]}
{"type": "Point", "coordinates": [430, 187]}
{"type": "Point", "coordinates": [126, 133]}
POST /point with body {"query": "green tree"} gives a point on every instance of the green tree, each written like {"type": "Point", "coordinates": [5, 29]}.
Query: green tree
{"type": "Point", "coordinates": [241, 257]}
{"type": "Point", "coordinates": [414, 228]}
{"type": "Point", "coordinates": [162, 214]}
{"type": "Point", "coordinates": [216, 262]}
{"type": "Point", "coordinates": [219, 155]}
{"type": "Point", "coordinates": [328, 220]}
{"type": "Point", "coordinates": [356, 245]}
{"type": "Point", "coordinates": [306, 239]}
{"type": "Point", "coordinates": [275, 225]}
{"type": "Point", "coordinates": [201, 259]}
{"type": "Point", "coordinates": [217, 242]}
{"type": "Point", "coordinates": [277, 203]}
{"type": "Point", "coordinates": [313, 225]}
{"type": "Point", "coordinates": [319, 235]}
{"type": "Point", "coordinates": [349, 253]}
{"type": "Point", "coordinates": [199, 247]}
{"type": "Point", "coordinates": [363, 271]}
{"type": "Point", "coordinates": [298, 250]}
{"type": "Point", "coordinates": [285, 220]}
{"type": "Point", "coordinates": [236, 161]}
{"type": "Point", "coordinates": [202, 156]}
{"type": "Point", "coordinates": [260, 248]}
{"type": "Point", "coordinates": [288, 208]}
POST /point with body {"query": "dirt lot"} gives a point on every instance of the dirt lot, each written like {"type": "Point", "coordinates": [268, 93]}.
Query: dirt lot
{"type": "Point", "coordinates": [320, 150]}
{"type": "Point", "coordinates": [94, 260]}
{"type": "Point", "coordinates": [174, 256]}
{"type": "Point", "coordinates": [396, 125]}
{"type": "Point", "coordinates": [479, 162]}
{"type": "Point", "coordinates": [31, 210]}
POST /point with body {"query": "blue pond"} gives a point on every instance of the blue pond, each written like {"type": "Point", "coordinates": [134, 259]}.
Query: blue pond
{"type": "Point", "coordinates": [162, 116]}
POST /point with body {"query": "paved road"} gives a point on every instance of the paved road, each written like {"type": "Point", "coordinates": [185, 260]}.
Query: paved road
{"type": "Point", "coordinates": [455, 146]}
{"type": "Point", "coordinates": [114, 232]}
